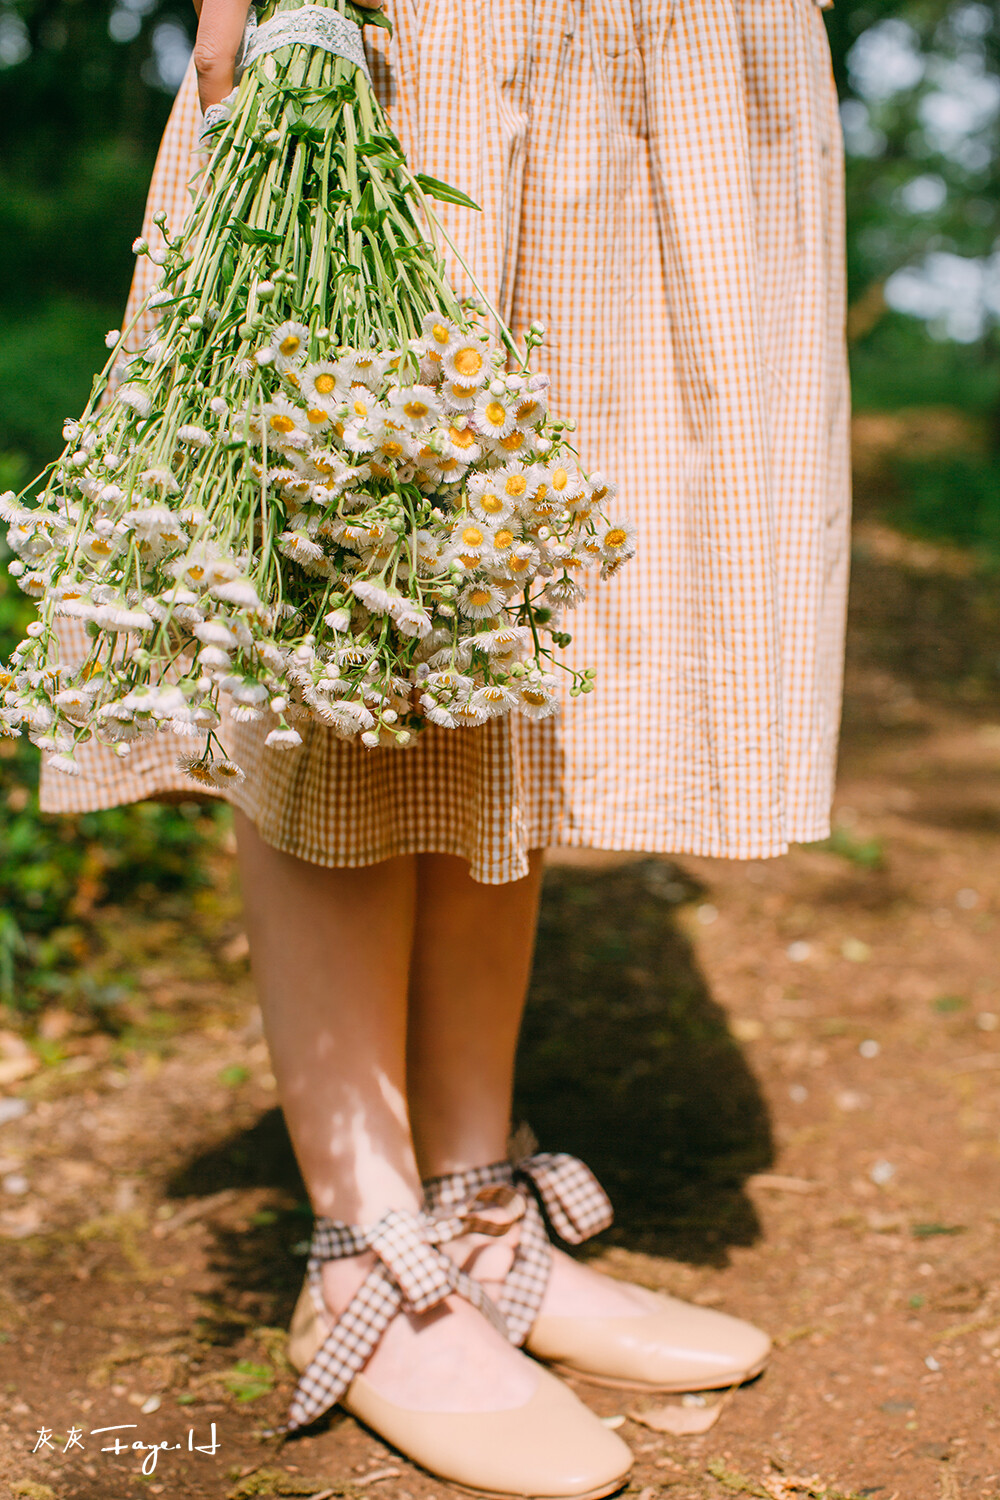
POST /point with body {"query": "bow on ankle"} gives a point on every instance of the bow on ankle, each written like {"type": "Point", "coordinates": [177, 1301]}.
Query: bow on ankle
{"type": "Point", "coordinates": [576, 1204]}
{"type": "Point", "coordinates": [411, 1273]}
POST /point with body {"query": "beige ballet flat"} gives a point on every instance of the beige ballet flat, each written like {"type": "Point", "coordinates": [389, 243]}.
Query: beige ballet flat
{"type": "Point", "coordinates": [674, 1346]}
{"type": "Point", "coordinates": [550, 1448]}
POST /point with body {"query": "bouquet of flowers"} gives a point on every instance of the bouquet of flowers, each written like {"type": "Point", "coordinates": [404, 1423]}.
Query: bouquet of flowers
{"type": "Point", "coordinates": [327, 487]}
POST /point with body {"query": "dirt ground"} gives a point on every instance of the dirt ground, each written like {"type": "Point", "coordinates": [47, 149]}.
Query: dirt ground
{"type": "Point", "coordinates": [787, 1074]}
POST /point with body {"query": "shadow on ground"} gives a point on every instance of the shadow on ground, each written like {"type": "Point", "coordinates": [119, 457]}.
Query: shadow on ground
{"type": "Point", "coordinates": [628, 1062]}
{"type": "Point", "coordinates": [625, 1060]}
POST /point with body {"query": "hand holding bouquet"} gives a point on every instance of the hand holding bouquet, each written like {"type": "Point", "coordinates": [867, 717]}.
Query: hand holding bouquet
{"type": "Point", "coordinates": [327, 487]}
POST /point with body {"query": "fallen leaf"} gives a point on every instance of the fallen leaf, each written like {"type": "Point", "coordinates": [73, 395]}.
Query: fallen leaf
{"type": "Point", "coordinates": [774, 1182]}
{"type": "Point", "coordinates": [681, 1421]}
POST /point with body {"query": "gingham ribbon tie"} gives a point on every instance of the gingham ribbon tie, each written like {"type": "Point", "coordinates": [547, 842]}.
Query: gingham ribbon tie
{"type": "Point", "coordinates": [411, 1273]}
{"type": "Point", "coordinates": [576, 1204]}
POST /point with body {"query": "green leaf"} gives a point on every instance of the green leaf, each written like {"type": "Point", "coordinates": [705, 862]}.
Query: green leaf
{"type": "Point", "coordinates": [444, 192]}
{"type": "Point", "coordinates": [253, 236]}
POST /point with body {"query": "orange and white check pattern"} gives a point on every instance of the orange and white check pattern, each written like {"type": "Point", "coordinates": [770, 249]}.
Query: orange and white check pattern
{"type": "Point", "coordinates": [660, 184]}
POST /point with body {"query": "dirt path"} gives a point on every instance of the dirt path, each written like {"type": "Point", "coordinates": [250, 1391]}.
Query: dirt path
{"type": "Point", "coordinates": [787, 1074]}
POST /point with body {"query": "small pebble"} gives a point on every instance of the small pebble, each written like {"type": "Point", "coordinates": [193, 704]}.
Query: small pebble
{"type": "Point", "coordinates": [707, 914]}
{"type": "Point", "coordinates": [799, 952]}
{"type": "Point", "coordinates": [153, 1404]}
{"type": "Point", "coordinates": [967, 898]}
{"type": "Point", "coordinates": [869, 1048]}
{"type": "Point", "coordinates": [882, 1172]}
{"type": "Point", "coordinates": [15, 1182]}
{"type": "Point", "coordinates": [798, 1093]}
{"type": "Point", "coordinates": [613, 1422]}
{"type": "Point", "coordinates": [931, 1363]}
{"type": "Point", "coordinates": [987, 1020]}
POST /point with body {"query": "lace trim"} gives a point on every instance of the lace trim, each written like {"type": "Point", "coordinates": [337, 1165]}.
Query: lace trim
{"type": "Point", "coordinates": [310, 26]}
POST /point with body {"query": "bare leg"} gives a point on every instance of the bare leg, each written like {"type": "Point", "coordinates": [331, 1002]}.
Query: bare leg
{"type": "Point", "coordinates": [472, 952]}
{"type": "Point", "coordinates": [331, 952]}
{"type": "Point", "coordinates": [471, 964]}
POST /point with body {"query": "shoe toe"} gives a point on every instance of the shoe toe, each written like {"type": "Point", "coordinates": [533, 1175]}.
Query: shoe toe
{"type": "Point", "coordinates": [551, 1448]}
{"type": "Point", "coordinates": [673, 1346]}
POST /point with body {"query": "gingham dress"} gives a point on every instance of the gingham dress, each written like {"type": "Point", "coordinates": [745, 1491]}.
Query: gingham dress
{"type": "Point", "coordinates": [660, 183]}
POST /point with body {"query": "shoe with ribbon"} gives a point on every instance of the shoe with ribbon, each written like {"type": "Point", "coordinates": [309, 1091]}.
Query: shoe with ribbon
{"type": "Point", "coordinates": [659, 1344]}
{"type": "Point", "coordinates": [548, 1446]}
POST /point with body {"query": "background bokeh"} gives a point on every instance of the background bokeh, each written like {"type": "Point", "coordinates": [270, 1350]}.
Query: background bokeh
{"type": "Point", "coordinates": [85, 87]}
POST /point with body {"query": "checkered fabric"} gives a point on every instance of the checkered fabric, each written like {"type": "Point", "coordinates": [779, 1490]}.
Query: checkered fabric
{"type": "Point", "coordinates": [576, 1204]}
{"type": "Point", "coordinates": [660, 183]}
{"type": "Point", "coordinates": [411, 1272]}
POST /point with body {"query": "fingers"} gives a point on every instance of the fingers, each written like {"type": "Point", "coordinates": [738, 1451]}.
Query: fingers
{"type": "Point", "coordinates": [216, 47]}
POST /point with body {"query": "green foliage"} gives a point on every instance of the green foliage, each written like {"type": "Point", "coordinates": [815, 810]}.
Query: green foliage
{"type": "Point", "coordinates": [955, 497]}
{"type": "Point", "coordinates": [55, 871]}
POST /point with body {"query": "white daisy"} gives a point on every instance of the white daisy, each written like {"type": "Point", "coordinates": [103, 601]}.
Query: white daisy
{"type": "Point", "coordinates": [618, 542]}
{"type": "Point", "coordinates": [415, 407]}
{"type": "Point", "coordinates": [469, 539]}
{"type": "Point", "coordinates": [480, 600]}
{"type": "Point", "coordinates": [195, 437]}
{"type": "Point", "coordinates": [436, 712]}
{"type": "Point", "coordinates": [214, 633]}
{"type": "Point", "coordinates": [290, 343]}
{"type": "Point", "coordinates": [283, 738]}
{"type": "Point", "coordinates": [458, 397]}
{"type": "Point", "coordinates": [536, 697]}
{"type": "Point", "coordinates": [530, 403]}
{"type": "Point", "coordinates": [301, 549]}
{"type": "Point", "coordinates": [239, 592]}
{"type": "Point", "coordinates": [493, 416]}
{"type": "Point", "coordinates": [466, 362]}
{"type": "Point", "coordinates": [460, 442]}
{"type": "Point", "coordinates": [324, 384]}
{"type": "Point", "coordinates": [440, 335]}
{"type": "Point", "coordinates": [494, 699]}
{"type": "Point", "coordinates": [410, 620]}
{"type": "Point", "coordinates": [136, 397]}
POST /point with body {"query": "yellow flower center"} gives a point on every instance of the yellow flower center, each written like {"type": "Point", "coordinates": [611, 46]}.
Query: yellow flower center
{"type": "Point", "coordinates": [463, 392]}
{"type": "Point", "coordinates": [616, 537]}
{"type": "Point", "coordinates": [99, 545]}
{"type": "Point", "coordinates": [281, 423]}
{"type": "Point", "coordinates": [462, 437]}
{"type": "Point", "coordinates": [440, 333]}
{"type": "Point", "coordinates": [392, 449]}
{"type": "Point", "coordinates": [316, 415]}
{"type": "Point", "coordinates": [479, 597]}
{"type": "Point", "coordinates": [529, 695]}
{"type": "Point", "coordinates": [516, 484]}
{"type": "Point", "coordinates": [360, 409]}
{"type": "Point", "coordinates": [324, 465]}
{"type": "Point", "coordinates": [496, 413]}
{"type": "Point", "coordinates": [290, 345]}
{"type": "Point", "coordinates": [447, 464]}
{"type": "Point", "coordinates": [519, 564]}
{"type": "Point", "coordinates": [472, 536]}
{"type": "Point", "coordinates": [468, 361]}
{"type": "Point", "coordinates": [512, 441]}
{"type": "Point", "coordinates": [491, 504]}
{"type": "Point", "coordinates": [560, 479]}
{"type": "Point", "coordinates": [416, 409]}
{"type": "Point", "coordinates": [292, 378]}
{"type": "Point", "coordinates": [196, 573]}
{"type": "Point", "coordinates": [525, 410]}
{"type": "Point", "coordinates": [600, 494]}
{"type": "Point", "coordinates": [503, 540]}
{"type": "Point", "coordinates": [325, 383]}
